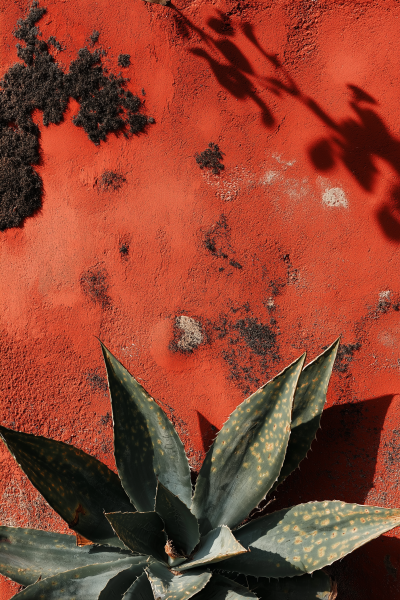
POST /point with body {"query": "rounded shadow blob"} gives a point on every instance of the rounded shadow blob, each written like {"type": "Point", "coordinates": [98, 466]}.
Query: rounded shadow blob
{"type": "Point", "coordinates": [321, 155]}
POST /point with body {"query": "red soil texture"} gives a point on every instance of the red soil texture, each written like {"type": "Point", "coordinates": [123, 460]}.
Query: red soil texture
{"type": "Point", "coordinates": [206, 285]}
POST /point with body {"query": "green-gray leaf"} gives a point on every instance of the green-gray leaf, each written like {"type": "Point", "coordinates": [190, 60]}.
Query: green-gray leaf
{"type": "Point", "coordinates": [180, 524]}
{"type": "Point", "coordinates": [308, 403]}
{"type": "Point", "coordinates": [147, 447]}
{"type": "Point", "coordinates": [218, 544]}
{"type": "Point", "coordinates": [222, 588]}
{"type": "Point", "coordinates": [29, 554]}
{"type": "Point", "coordinates": [307, 587]}
{"type": "Point", "coordinates": [247, 455]}
{"type": "Point", "coordinates": [141, 532]}
{"type": "Point", "coordinates": [140, 590]}
{"type": "Point", "coordinates": [307, 537]}
{"type": "Point", "coordinates": [118, 585]}
{"type": "Point", "coordinates": [85, 583]}
{"type": "Point", "coordinates": [78, 487]}
{"type": "Point", "coordinates": [167, 586]}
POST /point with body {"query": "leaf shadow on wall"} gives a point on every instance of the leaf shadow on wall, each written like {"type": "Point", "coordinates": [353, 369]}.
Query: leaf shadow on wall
{"type": "Point", "coordinates": [356, 141]}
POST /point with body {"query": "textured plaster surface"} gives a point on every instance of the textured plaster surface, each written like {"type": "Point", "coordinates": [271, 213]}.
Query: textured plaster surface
{"type": "Point", "coordinates": [206, 285]}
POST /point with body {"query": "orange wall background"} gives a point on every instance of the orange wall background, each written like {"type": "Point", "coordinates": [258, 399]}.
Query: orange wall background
{"type": "Point", "coordinates": [295, 242]}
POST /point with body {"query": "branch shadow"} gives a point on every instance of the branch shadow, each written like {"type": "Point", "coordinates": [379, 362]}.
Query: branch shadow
{"type": "Point", "coordinates": [356, 141]}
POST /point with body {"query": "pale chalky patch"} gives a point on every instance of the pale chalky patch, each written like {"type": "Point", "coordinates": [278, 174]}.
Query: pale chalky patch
{"type": "Point", "coordinates": [335, 197]}
{"type": "Point", "coordinates": [192, 335]}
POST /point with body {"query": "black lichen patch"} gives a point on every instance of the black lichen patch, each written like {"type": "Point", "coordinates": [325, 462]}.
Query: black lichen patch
{"type": "Point", "coordinates": [39, 83]}
{"type": "Point", "coordinates": [110, 181]}
{"type": "Point", "coordinates": [124, 60]}
{"type": "Point", "coordinates": [252, 347]}
{"type": "Point", "coordinates": [97, 382]}
{"type": "Point", "coordinates": [344, 356]}
{"type": "Point", "coordinates": [210, 159]}
{"type": "Point", "coordinates": [94, 284]}
{"type": "Point", "coordinates": [106, 419]}
{"type": "Point", "coordinates": [124, 250]}
{"type": "Point", "coordinates": [259, 337]}
{"type": "Point", "coordinates": [291, 273]}
{"type": "Point", "coordinates": [216, 239]}
{"type": "Point", "coordinates": [94, 37]}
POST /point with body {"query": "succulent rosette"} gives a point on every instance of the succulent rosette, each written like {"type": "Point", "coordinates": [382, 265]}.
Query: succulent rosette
{"type": "Point", "coordinates": [144, 534]}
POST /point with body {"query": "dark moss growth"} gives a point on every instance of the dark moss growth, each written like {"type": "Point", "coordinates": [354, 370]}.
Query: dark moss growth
{"type": "Point", "coordinates": [94, 284]}
{"type": "Point", "coordinates": [110, 181]}
{"type": "Point", "coordinates": [124, 60]}
{"type": "Point", "coordinates": [210, 158]}
{"type": "Point", "coordinates": [97, 382]}
{"type": "Point", "coordinates": [105, 106]}
{"type": "Point", "coordinates": [40, 84]}
{"type": "Point", "coordinates": [20, 192]}
{"type": "Point", "coordinates": [53, 42]}
{"type": "Point", "coordinates": [94, 37]}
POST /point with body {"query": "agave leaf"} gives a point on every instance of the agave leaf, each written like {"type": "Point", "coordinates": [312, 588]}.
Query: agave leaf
{"type": "Point", "coordinates": [141, 532]}
{"type": "Point", "coordinates": [147, 447]}
{"type": "Point", "coordinates": [246, 457]}
{"type": "Point", "coordinates": [308, 404]}
{"type": "Point", "coordinates": [222, 588]}
{"type": "Point", "coordinates": [218, 544]}
{"type": "Point", "coordinates": [120, 583]}
{"type": "Point", "coordinates": [85, 583]}
{"type": "Point", "coordinates": [307, 587]}
{"type": "Point", "coordinates": [76, 485]}
{"type": "Point", "coordinates": [180, 524]}
{"type": "Point", "coordinates": [308, 537]}
{"type": "Point", "coordinates": [168, 586]}
{"type": "Point", "coordinates": [140, 589]}
{"type": "Point", "coordinates": [29, 554]}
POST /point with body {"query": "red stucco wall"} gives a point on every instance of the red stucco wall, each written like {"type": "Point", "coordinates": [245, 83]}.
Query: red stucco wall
{"type": "Point", "coordinates": [303, 99]}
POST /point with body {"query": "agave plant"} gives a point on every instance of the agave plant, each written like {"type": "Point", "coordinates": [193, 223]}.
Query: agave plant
{"type": "Point", "coordinates": [145, 536]}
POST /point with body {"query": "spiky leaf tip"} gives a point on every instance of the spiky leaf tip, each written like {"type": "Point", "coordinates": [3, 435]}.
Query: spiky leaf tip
{"type": "Point", "coordinates": [308, 404]}
{"type": "Point", "coordinates": [147, 447]}
{"type": "Point", "coordinates": [217, 545]}
{"type": "Point", "coordinates": [76, 485]}
{"type": "Point", "coordinates": [141, 532]}
{"type": "Point", "coordinates": [246, 457]}
{"type": "Point", "coordinates": [180, 524]}
{"type": "Point", "coordinates": [168, 586]}
{"type": "Point", "coordinates": [308, 537]}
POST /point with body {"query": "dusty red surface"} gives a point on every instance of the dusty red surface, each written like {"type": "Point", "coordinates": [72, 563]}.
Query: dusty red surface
{"type": "Point", "coordinates": [303, 99]}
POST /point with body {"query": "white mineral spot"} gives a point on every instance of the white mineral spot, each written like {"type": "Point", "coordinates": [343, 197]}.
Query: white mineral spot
{"type": "Point", "coordinates": [192, 335]}
{"type": "Point", "coordinates": [270, 177]}
{"type": "Point", "coordinates": [270, 302]}
{"type": "Point", "coordinates": [385, 295]}
{"type": "Point", "coordinates": [335, 197]}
